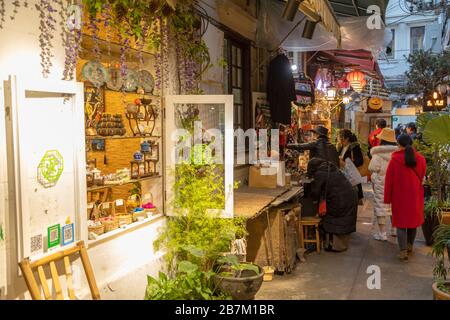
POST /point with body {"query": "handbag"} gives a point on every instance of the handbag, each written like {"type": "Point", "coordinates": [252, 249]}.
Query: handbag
{"type": "Point", "coordinates": [323, 200]}
{"type": "Point", "coordinates": [364, 169]}
{"type": "Point", "coordinates": [352, 173]}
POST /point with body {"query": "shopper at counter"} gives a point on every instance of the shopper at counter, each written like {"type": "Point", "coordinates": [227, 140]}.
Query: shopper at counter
{"type": "Point", "coordinates": [320, 147]}
{"type": "Point", "coordinates": [341, 201]}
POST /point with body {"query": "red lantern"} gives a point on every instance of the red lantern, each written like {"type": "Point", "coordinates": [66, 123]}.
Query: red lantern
{"type": "Point", "coordinates": [357, 80]}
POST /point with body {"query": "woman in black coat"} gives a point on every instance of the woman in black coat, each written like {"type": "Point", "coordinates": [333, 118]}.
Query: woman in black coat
{"type": "Point", "coordinates": [341, 198]}
{"type": "Point", "coordinates": [349, 147]}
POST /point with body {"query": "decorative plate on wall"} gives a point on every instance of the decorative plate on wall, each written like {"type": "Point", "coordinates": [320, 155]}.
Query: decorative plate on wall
{"type": "Point", "coordinates": [95, 73]}
{"type": "Point", "coordinates": [115, 81]}
{"type": "Point", "coordinates": [131, 81]}
{"type": "Point", "coordinates": [146, 81]}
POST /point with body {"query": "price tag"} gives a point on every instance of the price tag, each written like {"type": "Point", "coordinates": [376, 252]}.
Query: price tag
{"type": "Point", "coordinates": [90, 205]}
{"type": "Point", "coordinates": [106, 205]}
{"type": "Point", "coordinates": [119, 202]}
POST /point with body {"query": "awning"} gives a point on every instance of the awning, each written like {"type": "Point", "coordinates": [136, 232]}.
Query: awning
{"type": "Point", "coordinates": [362, 60]}
{"type": "Point", "coordinates": [354, 33]}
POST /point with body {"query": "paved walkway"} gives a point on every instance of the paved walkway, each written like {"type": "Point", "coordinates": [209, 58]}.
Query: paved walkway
{"type": "Point", "coordinates": [343, 275]}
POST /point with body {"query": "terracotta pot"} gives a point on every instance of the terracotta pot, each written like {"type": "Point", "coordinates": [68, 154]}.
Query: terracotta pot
{"type": "Point", "coordinates": [243, 288]}
{"type": "Point", "coordinates": [440, 295]}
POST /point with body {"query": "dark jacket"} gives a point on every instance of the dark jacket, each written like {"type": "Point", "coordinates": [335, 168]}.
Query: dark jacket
{"type": "Point", "coordinates": [353, 152]}
{"type": "Point", "coordinates": [321, 148]}
{"type": "Point", "coordinates": [280, 89]}
{"type": "Point", "coordinates": [341, 197]}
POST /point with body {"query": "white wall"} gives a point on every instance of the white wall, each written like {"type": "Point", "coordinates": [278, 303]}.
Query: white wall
{"type": "Point", "coordinates": [120, 265]}
{"type": "Point", "coordinates": [401, 22]}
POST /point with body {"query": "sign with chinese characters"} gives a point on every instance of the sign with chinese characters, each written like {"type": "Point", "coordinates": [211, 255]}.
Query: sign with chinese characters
{"type": "Point", "coordinates": [50, 168]}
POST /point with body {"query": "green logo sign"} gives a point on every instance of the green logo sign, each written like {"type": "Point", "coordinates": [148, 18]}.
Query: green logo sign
{"type": "Point", "coordinates": [50, 168]}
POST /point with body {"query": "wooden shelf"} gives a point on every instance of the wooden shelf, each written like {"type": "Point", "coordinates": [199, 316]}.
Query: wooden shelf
{"type": "Point", "coordinates": [120, 137]}
{"type": "Point", "coordinates": [95, 188]}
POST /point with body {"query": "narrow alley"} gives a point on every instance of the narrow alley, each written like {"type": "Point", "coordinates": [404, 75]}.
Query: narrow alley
{"type": "Point", "coordinates": [343, 276]}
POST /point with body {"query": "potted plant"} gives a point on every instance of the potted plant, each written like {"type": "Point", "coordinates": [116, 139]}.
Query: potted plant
{"type": "Point", "coordinates": [240, 280]}
{"type": "Point", "coordinates": [432, 218]}
{"type": "Point", "coordinates": [441, 286]}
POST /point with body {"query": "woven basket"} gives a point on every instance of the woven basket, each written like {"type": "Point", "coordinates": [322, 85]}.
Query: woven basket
{"type": "Point", "coordinates": [124, 219]}
{"type": "Point", "coordinates": [110, 225]}
{"type": "Point", "coordinates": [98, 230]}
{"type": "Point", "coordinates": [137, 215]}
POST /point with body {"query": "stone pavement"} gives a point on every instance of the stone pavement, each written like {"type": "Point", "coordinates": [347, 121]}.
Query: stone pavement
{"type": "Point", "coordinates": [342, 276]}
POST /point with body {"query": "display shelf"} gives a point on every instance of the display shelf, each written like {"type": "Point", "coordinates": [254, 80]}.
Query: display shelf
{"type": "Point", "coordinates": [90, 189]}
{"type": "Point", "coordinates": [120, 137]}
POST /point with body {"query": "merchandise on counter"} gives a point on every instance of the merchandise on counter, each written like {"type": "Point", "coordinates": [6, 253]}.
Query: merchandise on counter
{"type": "Point", "coordinates": [261, 177]}
{"type": "Point", "coordinates": [110, 223]}
{"type": "Point", "coordinates": [96, 227]}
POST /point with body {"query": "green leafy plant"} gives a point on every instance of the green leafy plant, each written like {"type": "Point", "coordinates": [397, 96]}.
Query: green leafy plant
{"type": "Point", "coordinates": [230, 266]}
{"type": "Point", "coordinates": [441, 241]}
{"type": "Point", "coordinates": [427, 71]}
{"type": "Point", "coordinates": [189, 284]}
{"type": "Point", "coordinates": [435, 147]}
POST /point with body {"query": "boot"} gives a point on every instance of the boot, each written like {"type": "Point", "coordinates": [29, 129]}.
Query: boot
{"type": "Point", "coordinates": [403, 256]}
{"type": "Point", "coordinates": [410, 249]}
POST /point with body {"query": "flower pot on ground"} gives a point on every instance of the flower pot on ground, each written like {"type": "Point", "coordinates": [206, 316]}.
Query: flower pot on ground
{"type": "Point", "coordinates": [441, 290]}
{"type": "Point", "coordinates": [431, 221]}
{"type": "Point", "coordinates": [430, 224]}
{"type": "Point", "coordinates": [240, 280]}
{"type": "Point", "coordinates": [441, 287]}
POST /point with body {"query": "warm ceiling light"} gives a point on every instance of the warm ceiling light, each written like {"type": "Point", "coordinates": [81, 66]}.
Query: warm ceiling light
{"type": "Point", "coordinates": [308, 30]}
{"type": "Point", "coordinates": [291, 9]}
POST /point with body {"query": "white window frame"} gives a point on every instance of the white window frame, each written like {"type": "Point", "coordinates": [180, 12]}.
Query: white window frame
{"type": "Point", "coordinates": [15, 96]}
{"type": "Point", "coordinates": [227, 100]}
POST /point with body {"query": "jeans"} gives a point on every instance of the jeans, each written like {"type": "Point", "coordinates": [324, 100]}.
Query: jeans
{"type": "Point", "coordinates": [405, 237]}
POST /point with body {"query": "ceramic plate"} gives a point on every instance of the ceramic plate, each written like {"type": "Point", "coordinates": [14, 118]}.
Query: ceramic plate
{"type": "Point", "coordinates": [146, 81]}
{"type": "Point", "coordinates": [131, 81]}
{"type": "Point", "coordinates": [115, 81]}
{"type": "Point", "coordinates": [95, 73]}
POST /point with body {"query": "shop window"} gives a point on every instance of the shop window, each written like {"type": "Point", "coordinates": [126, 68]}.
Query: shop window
{"type": "Point", "coordinates": [237, 82]}
{"type": "Point", "coordinates": [417, 38]}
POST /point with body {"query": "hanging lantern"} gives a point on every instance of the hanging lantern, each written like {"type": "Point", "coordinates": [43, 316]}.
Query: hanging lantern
{"type": "Point", "coordinates": [357, 80]}
{"type": "Point", "coordinates": [331, 93]}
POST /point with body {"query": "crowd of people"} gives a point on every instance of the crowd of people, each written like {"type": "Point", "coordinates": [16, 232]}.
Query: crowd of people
{"type": "Point", "coordinates": [395, 166]}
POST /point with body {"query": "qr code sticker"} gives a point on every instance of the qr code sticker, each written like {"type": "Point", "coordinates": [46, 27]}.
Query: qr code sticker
{"type": "Point", "coordinates": [53, 235]}
{"type": "Point", "coordinates": [36, 243]}
{"type": "Point", "coordinates": [68, 234]}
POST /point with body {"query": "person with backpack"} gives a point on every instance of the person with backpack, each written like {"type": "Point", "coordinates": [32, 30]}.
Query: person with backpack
{"type": "Point", "coordinates": [403, 190]}
{"type": "Point", "coordinates": [331, 186]}
{"type": "Point", "coordinates": [320, 147]}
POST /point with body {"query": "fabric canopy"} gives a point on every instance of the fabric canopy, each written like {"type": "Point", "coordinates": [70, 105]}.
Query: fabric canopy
{"type": "Point", "coordinates": [272, 28]}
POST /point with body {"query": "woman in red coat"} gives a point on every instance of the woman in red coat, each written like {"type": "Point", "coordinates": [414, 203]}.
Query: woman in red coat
{"type": "Point", "coordinates": [404, 191]}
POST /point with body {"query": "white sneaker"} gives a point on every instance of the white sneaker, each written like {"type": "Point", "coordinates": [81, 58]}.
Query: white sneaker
{"type": "Point", "coordinates": [380, 236]}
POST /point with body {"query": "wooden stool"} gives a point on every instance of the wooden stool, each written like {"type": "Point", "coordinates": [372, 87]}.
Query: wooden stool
{"type": "Point", "coordinates": [309, 231]}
